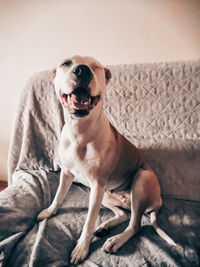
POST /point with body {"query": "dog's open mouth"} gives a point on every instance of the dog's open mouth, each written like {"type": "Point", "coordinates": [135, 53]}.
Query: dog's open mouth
{"type": "Point", "coordinates": [79, 100]}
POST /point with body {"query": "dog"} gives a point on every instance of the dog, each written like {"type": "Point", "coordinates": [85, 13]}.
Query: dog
{"type": "Point", "coordinates": [93, 151]}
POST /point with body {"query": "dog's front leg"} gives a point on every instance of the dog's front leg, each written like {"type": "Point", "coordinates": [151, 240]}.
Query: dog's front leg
{"type": "Point", "coordinates": [81, 250]}
{"type": "Point", "coordinates": [66, 179]}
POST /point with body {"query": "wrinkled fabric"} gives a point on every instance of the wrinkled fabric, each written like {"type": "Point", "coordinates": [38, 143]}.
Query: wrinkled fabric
{"type": "Point", "coordinates": [157, 107]}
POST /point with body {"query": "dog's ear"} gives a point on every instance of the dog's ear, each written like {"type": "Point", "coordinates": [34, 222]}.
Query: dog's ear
{"type": "Point", "coordinates": [108, 75]}
{"type": "Point", "coordinates": [54, 73]}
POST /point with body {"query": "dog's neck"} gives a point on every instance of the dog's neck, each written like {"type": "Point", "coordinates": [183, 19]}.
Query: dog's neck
{"type": "Point", "coordinates": [89, 127]}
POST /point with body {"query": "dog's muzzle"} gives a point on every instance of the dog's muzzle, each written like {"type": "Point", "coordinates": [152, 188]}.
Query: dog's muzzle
{"type": "Point", "coordinates": [82, 75]}
{"type": "Point", "coordinates": [80, 101]}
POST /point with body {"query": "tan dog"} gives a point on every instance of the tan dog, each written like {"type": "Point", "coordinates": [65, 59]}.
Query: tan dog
{"type": "Point", "coordinates": [92, 150]}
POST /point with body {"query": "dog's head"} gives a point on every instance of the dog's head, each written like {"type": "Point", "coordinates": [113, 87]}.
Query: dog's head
{"type": "Point", "coordinates": [80, 84]}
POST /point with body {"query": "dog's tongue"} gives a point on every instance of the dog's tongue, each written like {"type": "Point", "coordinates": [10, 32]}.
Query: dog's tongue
{"type": "Point", "coordinates": [80, 101]}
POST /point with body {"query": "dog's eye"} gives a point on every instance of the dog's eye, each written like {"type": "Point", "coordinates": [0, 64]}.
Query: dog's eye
{"type": "Point", "coordinates": [67, 63]}
{"type": "Point", "coordinates": [95, 67]}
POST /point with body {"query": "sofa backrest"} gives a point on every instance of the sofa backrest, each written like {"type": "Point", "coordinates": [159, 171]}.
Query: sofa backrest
{"type": "Point", "coordinates": [157, 107]}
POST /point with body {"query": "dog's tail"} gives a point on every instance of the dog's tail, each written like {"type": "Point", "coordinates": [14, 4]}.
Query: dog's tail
{"type": "Point", "coordinates": [160, 232]}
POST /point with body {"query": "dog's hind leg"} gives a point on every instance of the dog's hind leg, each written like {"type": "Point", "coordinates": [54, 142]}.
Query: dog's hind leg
{"type": "Point", "coordinates": [113, 243]}
{"type": "Point", "coordinates": [120, 215]}
{"type": "Point", "coordinates": [141, 199]}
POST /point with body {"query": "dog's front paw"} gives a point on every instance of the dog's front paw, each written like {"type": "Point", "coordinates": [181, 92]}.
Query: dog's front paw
{"type": "Point", "coordinates": [46, 213]}
{"type": "Point", "coordinates": [79, 253]}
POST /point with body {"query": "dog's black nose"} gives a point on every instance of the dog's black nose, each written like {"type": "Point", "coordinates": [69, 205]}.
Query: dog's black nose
{"type": "Point", "coordinates": [83, 72]}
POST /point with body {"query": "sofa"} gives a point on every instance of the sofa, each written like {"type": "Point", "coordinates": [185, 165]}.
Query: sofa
{"type": "Point", "coordinates": [156, 107]}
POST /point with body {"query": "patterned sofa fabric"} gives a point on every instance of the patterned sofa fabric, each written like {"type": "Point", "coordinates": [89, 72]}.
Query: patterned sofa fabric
{"type": "Point", "coordinates": [157, 107]}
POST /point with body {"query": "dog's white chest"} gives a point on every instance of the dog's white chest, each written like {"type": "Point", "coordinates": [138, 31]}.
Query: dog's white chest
{"type": "Point", "coordinates": [82, 160]}
{"type": "Point", "coordinates": [70, 156]}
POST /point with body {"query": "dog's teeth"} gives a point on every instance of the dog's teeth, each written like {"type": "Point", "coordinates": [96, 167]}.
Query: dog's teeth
{"type": "Point", "coordinates": [68, 98]}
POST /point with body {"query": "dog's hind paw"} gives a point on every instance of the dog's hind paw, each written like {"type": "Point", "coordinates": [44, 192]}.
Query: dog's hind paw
{"type": "Point", "coordinates": [112, 244]}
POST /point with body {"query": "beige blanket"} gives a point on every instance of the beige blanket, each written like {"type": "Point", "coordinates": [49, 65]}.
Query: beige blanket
{"type": "Point", "coordinates": [157, 107]}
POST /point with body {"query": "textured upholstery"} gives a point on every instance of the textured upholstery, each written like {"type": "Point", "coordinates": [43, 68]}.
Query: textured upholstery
{"type": "Point", "coordinates": [157, 107]}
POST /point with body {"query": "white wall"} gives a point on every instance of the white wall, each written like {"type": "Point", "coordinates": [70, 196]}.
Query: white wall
{"type": "Point", "coordinates": [37, 34]}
